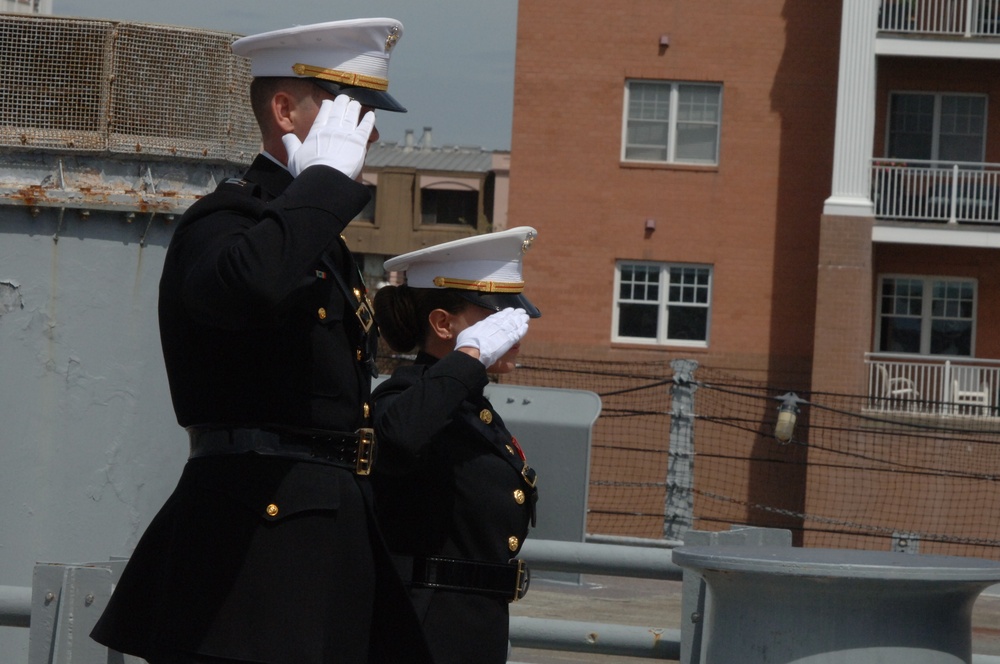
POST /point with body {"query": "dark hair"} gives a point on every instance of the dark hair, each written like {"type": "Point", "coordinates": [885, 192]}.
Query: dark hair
{"type": "Point", "coordinates": [263, 89]}
{"type": "Point", "coordinates": [402, 313]}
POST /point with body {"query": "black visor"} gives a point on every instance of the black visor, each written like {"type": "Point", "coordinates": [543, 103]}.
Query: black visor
{"type": "Point", "coordinates": [501, 301]}
{"type": "Point", "coordinates": [364, 96]}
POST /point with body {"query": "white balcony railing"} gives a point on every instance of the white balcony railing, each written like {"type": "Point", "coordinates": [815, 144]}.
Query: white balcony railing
{"type": "Point", "coordinates": [922, 190]}
{"type": "Point", "coordinates": [967, 388]}
{"type": "Point", "coordinates": [963, 18]}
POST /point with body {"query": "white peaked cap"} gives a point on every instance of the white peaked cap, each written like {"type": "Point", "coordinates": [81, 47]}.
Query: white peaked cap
{"type": "Point", "coordinates": [487, 267]}
{"type": "Point", "coordinates": [351, 55]}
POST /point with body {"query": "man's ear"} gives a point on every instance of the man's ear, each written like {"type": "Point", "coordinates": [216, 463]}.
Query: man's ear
{"type": "Point", "coordinates": [282, 111]}
{"type": "Point", "coordinates": [440, 324]}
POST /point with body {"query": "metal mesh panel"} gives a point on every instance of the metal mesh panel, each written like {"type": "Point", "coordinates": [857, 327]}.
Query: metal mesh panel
{"type": "Point", "coordinates": [54, 88]}
{"type": "Point", "coordinates": [172, 92]}
{"type": "Point", "coordinates": [127, 88]}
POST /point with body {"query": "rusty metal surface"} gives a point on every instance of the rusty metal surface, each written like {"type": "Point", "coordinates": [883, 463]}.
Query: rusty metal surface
{"type": "Point", "coordinates": [85, 182]}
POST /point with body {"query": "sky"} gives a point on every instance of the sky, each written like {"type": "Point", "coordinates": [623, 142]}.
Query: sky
{"type": "Point", "coordinates": [453, 69]}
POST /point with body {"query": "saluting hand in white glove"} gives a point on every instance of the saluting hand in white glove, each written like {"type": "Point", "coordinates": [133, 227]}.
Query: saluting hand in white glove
{"type": "Point", "coordinates": [336, 139]}
{"type": "Point", "coordinates": [494, 335]}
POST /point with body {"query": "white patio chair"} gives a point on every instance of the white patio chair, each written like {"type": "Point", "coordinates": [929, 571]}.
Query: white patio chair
{"type": "Point", "coordinates": [972, 400]}
{"type": "Point", "coordinates": [899, 387]}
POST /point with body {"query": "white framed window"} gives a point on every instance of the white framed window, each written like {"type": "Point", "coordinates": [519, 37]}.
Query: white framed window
{"type": "Point", "coordinates": [662, 303]}
{"type": "Point", "coordinates": [926, 315]}
{"type": "Point", "coordinates": [672, 122]}
{"type": "Point", "coordinates": [937, 126]}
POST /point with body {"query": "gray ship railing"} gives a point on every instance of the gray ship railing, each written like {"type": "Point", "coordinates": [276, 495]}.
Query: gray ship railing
{"type": "Point", "coordinates": [66, 601]}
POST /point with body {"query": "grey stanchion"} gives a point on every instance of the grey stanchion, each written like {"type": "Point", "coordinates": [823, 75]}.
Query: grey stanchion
{"type": "Point", "coordinates": [609, 559]}
{"type": "Point", "coordinates": [15, 606]}
{"type": "Point", "coordinates": [595, 638]}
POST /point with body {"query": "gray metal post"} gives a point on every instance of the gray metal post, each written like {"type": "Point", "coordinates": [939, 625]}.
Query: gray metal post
{"type": "Point", "coordinates": [66, 602]}
{"type": "Point", "coordinates": [678, 514]}
{"type": "Point", "coordinates": [15, 606]}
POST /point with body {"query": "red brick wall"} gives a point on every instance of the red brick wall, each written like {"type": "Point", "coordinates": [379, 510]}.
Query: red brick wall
{"type": "Point", "coordinates": [754, 217]}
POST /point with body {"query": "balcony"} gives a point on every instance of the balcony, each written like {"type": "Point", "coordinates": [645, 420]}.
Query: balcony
{"type": "Point", "coordinates": [952, 18]}
{"type": "Point", "coordinates": [901, 384]}
{"type": "Point", "coordinates": [951, 192]}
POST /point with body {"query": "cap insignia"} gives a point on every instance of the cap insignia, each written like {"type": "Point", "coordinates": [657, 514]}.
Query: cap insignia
{"type": "Point", "coordinates": [391, 40]}
{"type": "Point", "coordinates": [528, 239]}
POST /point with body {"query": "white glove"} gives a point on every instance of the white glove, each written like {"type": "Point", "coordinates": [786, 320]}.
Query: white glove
{"type": "Point", "coordinates": [494, 335]}
{"type": "Point", "coordinates": [336, 139]}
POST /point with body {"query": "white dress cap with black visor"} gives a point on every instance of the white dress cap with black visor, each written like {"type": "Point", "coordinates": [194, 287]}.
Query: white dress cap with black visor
{"type": "Point", "coordinates": [484, 269]}
{"type": "Point", "coordinates": [343, 57]}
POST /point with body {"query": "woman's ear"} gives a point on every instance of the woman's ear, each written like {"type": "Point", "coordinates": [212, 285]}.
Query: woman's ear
{"type": "Point", "coordinates": [440, 324]}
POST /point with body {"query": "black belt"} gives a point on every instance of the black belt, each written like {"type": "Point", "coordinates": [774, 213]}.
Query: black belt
{"type": "Point", "coordinates": [507, 581]}
{"type": "Point", "coordinates": [353, 451]}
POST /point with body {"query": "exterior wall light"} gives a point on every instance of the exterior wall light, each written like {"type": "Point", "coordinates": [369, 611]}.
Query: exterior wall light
{"type": "Point", "coordinates": [788, 413]}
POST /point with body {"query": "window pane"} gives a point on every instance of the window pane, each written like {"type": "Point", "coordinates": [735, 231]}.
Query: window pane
{"type": "Point", "coordinates": [696, 143]}
{"type": "Point", "coordinates": [697, 103]}
{"type": "Point", "coordinates": [951, 313]}
{"type": "Point", "coordinates": [639, 282]}
{"type": "Point", "coordinates": [637, 320]}
{"type": "Point", "coordinates": [951, 337]}
{"type": "Point", "coordinates": [911, 126]}
{"type": "Point", "coordinates": [689, 285]}
{"type": "Point", "coordinates": [902, 302]}
{"type": "Point", "coordinates": [648, 130]}
{"type": "Point", "coordinates": [649, 101]}
{"type": "Point", "coordinates": [447, 206]}
{"type": "Point", "coordinates": [900, 335]}
{"type": "Point", "coordinates": [687, 323]}
{"type": "Point", "coordinates": [902, 296]}
{"type": "Point", "coordinates": [963, 122]}
{"type": "Point", "coordinates": [698, 115]}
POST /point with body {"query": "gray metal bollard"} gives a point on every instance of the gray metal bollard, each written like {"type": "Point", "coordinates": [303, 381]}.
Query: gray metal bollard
{"type": "Point", "coordinates": [693, 599]}
{"type": "Point", "coordinates": [783, 605]}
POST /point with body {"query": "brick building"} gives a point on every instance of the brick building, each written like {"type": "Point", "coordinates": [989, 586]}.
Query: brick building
{"type": "Point", "coordinates": [799, 192]}
{"type": "Point", "coordinates": [802, 194]}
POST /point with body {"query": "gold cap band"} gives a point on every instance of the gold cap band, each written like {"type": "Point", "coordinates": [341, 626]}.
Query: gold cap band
{"type": "Point", "coordinates": [342, 77]}
{"type": "Point", "coordinates": [482, 286]}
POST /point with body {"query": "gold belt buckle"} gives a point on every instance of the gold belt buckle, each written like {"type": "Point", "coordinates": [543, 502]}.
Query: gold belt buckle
{"type": "Point", "coordinates": [522, 581]}
{"type": "Point", "coordinates": [366, 451]}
